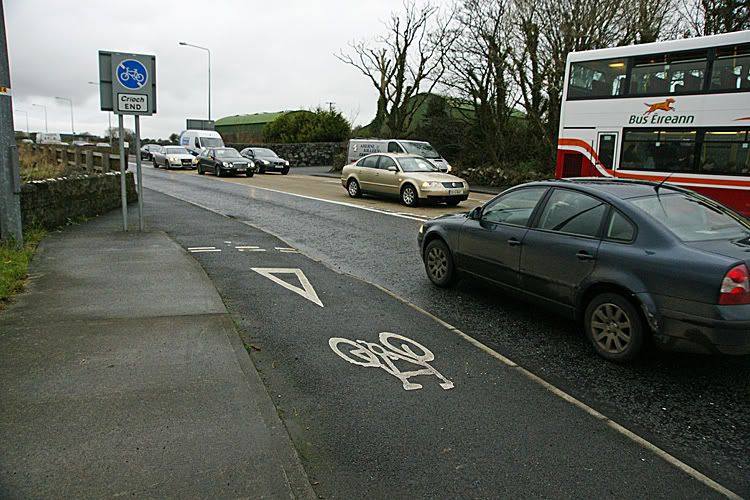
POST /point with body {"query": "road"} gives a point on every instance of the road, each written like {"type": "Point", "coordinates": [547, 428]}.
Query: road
{"type": "Point", "coordinates": [694, 407]}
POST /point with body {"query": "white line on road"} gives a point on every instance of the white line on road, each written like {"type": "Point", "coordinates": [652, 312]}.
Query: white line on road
{"type": "Point", "coordinates": [670, 459]}
{"type": "Point", "coordinates": [307, 291]}
{"type": "Point", "coordinates": [201, 248]}
{"type": "Point", "coordinates": [204, 250]}
{"type": "Point", "coordinates": [675, 462]}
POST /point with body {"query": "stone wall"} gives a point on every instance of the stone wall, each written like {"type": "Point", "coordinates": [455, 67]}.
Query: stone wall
{"type": "Point", "coordinates": [307, 154]}
{"type": "Point", "coordinates": [53, 202]}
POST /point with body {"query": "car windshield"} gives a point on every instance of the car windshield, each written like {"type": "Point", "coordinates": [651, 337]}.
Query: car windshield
{"type": "Point", "coordinates": [413, 164]}
{"type": "Point", "coordinates": [691, 218]}
{"type": "Point", "coordinates": [176, 151]}
{"type": "Point", "coordinates": [421, 149]}
{"type": "Point", "coordinates": [211, 142]}
{"type": "Point", "coordinates": [265, 152]}
{"type": "Point", "coordinates": [227, 153]}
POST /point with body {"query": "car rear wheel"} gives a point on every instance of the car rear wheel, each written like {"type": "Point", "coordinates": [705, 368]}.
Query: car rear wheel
{"type": "Point", "coordinates": [353, 189]}
{"type": "Point", "coordinates": [200, 170]}
{"type": "Point", "coordinates": [409, 196]}
{"type": "Point", "coordinates": [438, 262]}
{"type": "Point", "coordinates": [614, 327]}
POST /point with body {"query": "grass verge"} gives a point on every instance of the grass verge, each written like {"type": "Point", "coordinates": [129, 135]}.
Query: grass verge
{"type": "Point", "coordinates": [14, 264]}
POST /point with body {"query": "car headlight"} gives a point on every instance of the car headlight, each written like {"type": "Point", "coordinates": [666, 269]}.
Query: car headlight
{"type": "Point", "coordinates": [286, 163]}
{"type": "Point", "coordinates": [431, 185]}
{"type": "Point", "coordinates": [174, 159]}
{"type": "Point", "coordinates": [266, 162]}
{"type": "Point", "coordinates": [250, 163]}
{"type": "Point", "coordinates": [449, 168]}
{"type": "Point", "coordinates": [195, 161]}
{"type": "Point", "coordinates": [225, 164]}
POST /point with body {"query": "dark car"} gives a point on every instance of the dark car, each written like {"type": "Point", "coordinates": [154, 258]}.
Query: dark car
{"type": "Point", "coordinates": [224, 161]}
{"type": "Point", "coordinates": [147, 151]}
{"type": "Point", "coordinates": [267, 160]}
{"type": "Point", "coordinates": [631, 260]}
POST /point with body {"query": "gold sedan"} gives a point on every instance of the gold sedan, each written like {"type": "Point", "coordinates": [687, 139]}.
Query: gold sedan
{"type": "Point", "coordinates": [408, 177]}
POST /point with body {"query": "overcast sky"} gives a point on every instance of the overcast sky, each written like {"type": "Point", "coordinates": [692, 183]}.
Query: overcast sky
{"type": "Point", "coordinates": [265, 56]}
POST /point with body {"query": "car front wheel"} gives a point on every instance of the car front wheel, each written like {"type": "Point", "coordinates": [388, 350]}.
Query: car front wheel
{"type": "Point", "coordinates": [409, 196]}
{"type": "Point", "coordinates": [614, 327]}
{"type": "Point", "coordinates": [352, 187]}
{"type": "Point", "coordinates": [438, 262]}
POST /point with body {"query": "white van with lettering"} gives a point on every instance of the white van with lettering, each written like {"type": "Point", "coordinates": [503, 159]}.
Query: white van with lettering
{"type": "Point", "coordinates": [197, 140]}
{"type": "Point", "coordinates": [363, 147]}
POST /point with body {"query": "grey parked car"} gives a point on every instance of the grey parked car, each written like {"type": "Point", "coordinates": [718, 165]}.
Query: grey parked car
{"type": "Point", "coordinates": [631, 260]}
{"type": "Point", "coordinates": [267, 160]}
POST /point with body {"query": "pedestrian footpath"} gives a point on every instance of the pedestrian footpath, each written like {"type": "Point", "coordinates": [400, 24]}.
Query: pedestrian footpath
{"type": "Point", "coordinates": [121, 373]}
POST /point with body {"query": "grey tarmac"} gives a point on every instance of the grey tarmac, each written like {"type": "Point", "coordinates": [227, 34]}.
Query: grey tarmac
{"type": "Point", "coordinates": [358, 431]}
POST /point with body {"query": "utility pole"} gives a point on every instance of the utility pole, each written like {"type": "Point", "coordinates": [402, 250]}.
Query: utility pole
{"type": "Point", "coordinates": [45, 113]}
{"type": "Point", "coordinates": [10, 179]}
{"type": "Point", "coordinates": [70, 101]}
{"type": "Point", "coordinates": [330, 106]}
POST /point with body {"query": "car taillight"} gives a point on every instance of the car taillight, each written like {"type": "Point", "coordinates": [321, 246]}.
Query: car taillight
{"type": "Point", "coordinates": [735, 287]}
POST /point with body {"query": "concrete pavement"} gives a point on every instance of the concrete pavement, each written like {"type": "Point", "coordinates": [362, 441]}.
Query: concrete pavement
{"type": "Point", "coordinates": [122, 374]}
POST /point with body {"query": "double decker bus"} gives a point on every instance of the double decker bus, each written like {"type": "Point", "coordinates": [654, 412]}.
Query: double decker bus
{"type": "Point", "coordinates": [676, 110]}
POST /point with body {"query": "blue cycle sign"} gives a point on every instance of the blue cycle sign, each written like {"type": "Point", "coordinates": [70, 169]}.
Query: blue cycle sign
{"type": "Point", "coordinates": [132, 74]}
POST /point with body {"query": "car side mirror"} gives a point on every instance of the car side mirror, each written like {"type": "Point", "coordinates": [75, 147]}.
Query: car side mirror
{"type": "Point", "coordinates": [476, 213]}
{"type": "Point", "coordinates": [392, 169]}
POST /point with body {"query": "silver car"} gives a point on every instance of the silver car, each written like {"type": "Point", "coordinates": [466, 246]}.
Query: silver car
{"type": "Point", "coordinates": [409, 177]}
{"type": "Point", "coordinates": [172, 157]}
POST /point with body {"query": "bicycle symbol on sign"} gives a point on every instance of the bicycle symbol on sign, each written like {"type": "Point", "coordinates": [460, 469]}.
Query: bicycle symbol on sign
{"type": "Point", "coordinates": [132, 74]}
{"type": "Point", "coordinates": [383, 355]}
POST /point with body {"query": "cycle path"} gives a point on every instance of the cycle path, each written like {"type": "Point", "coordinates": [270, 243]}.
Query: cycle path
{"type": "Point", "coordinates": [467, 426]}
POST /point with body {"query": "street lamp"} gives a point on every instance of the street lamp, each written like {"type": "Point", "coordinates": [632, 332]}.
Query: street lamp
{"type": "Point", "coordinates": [27, 119]}
{"type": "Point", "coordinates": [109, 117]}
{"type": "Point", "coordinates": [209, 72]}
{"type": "Point", "coordinates": [70, 101]}
{"type": "Point", "coordinates": [45, 114]}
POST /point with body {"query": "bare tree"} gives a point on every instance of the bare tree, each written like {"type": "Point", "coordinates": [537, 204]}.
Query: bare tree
{"type": "Point", "coordinates": [479, 67]}
{"type": "Point", "coordinates": [710, 17]}
{"type": "Point", "coordinates": [402, 64]}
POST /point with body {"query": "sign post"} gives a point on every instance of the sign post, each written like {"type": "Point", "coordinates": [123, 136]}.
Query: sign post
{"type": "Point", "coordinates": [127, 84]}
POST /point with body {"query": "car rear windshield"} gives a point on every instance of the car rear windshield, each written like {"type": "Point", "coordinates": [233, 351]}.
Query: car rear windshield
{"type": "Point", "coordinates": [692, 219]}
{"type": "Point", "coordinates": [227, 153]}
{"type": "Point", "coordinates": [413, 164]}
{"type": "Point", "coordinates": [176, 151]}
{"type": "Point", "coordinates": [265, 152]}
{"type": "Point", "coordinates": [421, 149]}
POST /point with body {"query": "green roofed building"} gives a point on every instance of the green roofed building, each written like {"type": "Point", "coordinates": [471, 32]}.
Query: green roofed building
{"type": "Point", "coordinates": [246, 128]}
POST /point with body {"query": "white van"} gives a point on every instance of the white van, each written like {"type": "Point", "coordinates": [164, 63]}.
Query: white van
{"type": "Point", "coordinates": [195, 140]}
{"type": "Point", "coordinates": [363, 147]}
{"type": "Point", "coordinates": [48, 138]}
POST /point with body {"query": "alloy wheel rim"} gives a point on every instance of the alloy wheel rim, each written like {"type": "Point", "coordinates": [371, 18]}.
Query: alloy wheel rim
{"type": "Point", "coordinates": [352, 188]}
{"type": "Point", "coordinates": [611, 328]}
{"type": "Point", "coordinates": [408, 196]}
{"type": "Point", "coordinates": [437, 263]}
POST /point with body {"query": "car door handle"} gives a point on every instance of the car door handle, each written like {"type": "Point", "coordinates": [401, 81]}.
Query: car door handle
{"type": "Point", "coordinates": [514, 242]}
{"type": "Point", "coordinates": [584, 256]}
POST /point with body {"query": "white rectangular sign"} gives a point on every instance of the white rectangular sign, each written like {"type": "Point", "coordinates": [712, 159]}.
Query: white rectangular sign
{"type": "Point", "coordinates": [132, 103]}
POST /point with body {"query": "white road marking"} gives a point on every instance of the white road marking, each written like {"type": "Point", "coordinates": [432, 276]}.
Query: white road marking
{"type": "Point", "coordinates": [286, 250]}
{"type": "Point", "coordinates": [383, 355]}
{"type": "Point", "coordinates": [246, 247]}
{"type": "Point", "coordinates": [675, 462]}
{"type": "Point", "coordinates": [670, 459]}
{"type": "Point", "coordinates": [200, 248]}
{"type": "Point", "coordinates": [307, 291]}
{"type": "Point", "coordinates": [204, 250]}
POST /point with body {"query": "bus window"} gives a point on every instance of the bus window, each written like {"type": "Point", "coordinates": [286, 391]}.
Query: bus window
{"type": "Point", "coordinates": [725, 152]}
{"type": "Point", "coordinates": [663, 151]}
{"type": "Point", "coordinates": [597, 78]}
{"type": "Point", "coordinates": [731, 68]}
{"type": "Point", "coordinates": [668, 74]}
{"type": "Point", "coordinates": [607, 143]}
